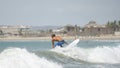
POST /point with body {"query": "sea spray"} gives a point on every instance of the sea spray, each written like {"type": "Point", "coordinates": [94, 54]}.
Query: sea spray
{"type": "Point", "coordinates": [103, 54]}
{"type": "Point", "coordinates": [21, 58]}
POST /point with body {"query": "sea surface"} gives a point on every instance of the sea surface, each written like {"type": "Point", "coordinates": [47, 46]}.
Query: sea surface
{"type": "Point", "coordinates": [40, 54]}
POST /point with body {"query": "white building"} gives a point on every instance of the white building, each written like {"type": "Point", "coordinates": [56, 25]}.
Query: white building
{"type": "Point", "coordinates": [12, 30]}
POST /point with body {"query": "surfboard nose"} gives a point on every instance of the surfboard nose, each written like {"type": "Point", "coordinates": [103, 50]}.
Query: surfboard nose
{"type": "Point", "coordinates": [74, 43]}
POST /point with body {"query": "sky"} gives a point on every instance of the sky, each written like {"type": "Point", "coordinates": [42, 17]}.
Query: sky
{"type": "Point", "coordinates": [58, 12]}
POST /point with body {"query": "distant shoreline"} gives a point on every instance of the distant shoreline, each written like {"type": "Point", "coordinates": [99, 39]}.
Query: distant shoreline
{"type": "Point", "coordinates": [66, 38]}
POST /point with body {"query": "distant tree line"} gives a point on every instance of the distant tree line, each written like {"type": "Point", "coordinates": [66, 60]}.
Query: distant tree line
{"type": "Point", "coordinates": [115, 25]}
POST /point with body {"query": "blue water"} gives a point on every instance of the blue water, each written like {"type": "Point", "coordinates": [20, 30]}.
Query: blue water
{"type": "Point", "coordinates": [29, 45]}
{"type": "Point", "coordinates": [87, 54]}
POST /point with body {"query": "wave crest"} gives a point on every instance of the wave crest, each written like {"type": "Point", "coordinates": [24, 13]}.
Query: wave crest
{"type": "Point", "coordinates": [94, 55]}
{"type": "Point", "coordinates": [21, 58]}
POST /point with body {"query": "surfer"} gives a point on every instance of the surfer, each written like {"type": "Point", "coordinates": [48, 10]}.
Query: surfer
{"type": "Point", "coordinates": [58, 39]}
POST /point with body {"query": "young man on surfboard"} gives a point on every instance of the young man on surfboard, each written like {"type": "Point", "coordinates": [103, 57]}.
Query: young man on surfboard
{"type": "Point", "coordinates": [57, 39]}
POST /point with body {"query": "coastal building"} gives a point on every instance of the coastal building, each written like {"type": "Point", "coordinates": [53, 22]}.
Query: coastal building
{"type": "Point", "coordinates": [90, 29]}
{"type": "Point", "coordinates": [93, 29]}
{"type": "Point", "coordinates": [68, 30]}
{"type": "Point", "coordinates": [12, 30]}
{"type": "Point", "coordinates": [71, 30]}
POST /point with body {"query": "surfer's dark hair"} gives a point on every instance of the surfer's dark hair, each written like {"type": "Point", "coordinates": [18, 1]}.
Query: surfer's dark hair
{"type": "Point", "coordinates": [53, 35]}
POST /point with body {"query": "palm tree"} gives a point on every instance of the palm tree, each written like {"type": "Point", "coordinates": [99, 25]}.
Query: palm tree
{"type": "Point", "coordinates": [119, 22]}
{"type": "Point", "coordinates": [20, 31]}
{"type": "Point", "coordinates": [1, 32]}
{"type": "Point", "coordinates": [114, 25]}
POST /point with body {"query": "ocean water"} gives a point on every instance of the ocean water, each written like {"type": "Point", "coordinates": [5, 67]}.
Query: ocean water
{"type": "Point", "coordinates": [39, 54]}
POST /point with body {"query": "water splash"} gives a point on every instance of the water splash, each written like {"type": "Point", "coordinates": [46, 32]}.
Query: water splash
{"type": "Point", "coordinates": [21, 58]}
{"type": "Point", "coordinates": [103, 54]}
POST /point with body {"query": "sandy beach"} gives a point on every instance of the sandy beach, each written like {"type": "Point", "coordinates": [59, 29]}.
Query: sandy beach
{"type": "Point", "coordinates": [66, 38]}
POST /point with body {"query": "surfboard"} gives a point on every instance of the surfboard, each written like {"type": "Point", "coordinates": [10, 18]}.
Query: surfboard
{"type": "Point", "coordinates": [74, 43]}
{"type": "Point", "coordinates": [63, 49]}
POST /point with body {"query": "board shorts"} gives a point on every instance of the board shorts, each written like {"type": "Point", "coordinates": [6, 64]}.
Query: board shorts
{"type": "Point", "coordinates": [60, 43]}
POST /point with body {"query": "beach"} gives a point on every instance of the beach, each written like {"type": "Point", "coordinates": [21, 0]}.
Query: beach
{"type": "Point", "coordinates": [107, 37]}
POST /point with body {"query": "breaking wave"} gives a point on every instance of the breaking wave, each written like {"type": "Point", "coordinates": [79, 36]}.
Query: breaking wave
{"type": "Point", "coordinates": [103, 54]}
{"type": "Point", "coordinates": [21, 58]}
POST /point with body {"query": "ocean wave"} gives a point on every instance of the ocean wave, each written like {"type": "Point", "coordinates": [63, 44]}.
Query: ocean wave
{"type": "Point", "coordinates": [21, 58]}
{"type": "Point", "coordinates": [103, 54]}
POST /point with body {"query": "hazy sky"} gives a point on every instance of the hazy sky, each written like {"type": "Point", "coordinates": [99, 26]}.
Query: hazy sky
{"type": "Point", "coordinates": [58, 12]}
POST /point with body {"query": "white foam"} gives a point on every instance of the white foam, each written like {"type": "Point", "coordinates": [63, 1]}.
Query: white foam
{"type": "Point", "coordinates": [105, 55]}
{"type": "Point", "coordinates": [21, 58]}
{"type": "Point", "coordinates": [94, 55]}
